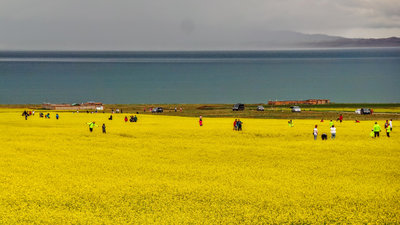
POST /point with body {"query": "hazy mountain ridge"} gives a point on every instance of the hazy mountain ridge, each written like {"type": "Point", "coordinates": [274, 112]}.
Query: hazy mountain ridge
{"type": "Point", "coordinates": [290, 39]}
{"type": "Point", "coordinates": [358, 42]}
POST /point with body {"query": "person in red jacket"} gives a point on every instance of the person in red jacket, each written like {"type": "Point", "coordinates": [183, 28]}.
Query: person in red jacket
{"type": "Point", "coordinates": [341, 118]}
{"type": "Point", "coordinates": [126, 119]}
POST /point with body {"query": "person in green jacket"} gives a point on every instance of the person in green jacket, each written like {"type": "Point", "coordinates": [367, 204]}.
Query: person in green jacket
{"type": "Point", "coordinates": [377, 129]}
{"type": "Point", "coordinates": [372, 133]}
{"type": "Point", "coordinates": [331, 123]}
{"type": "Point", "coordinates": [388, 130]}
{"type": "Point", "coordinates": [290, 123]}
{"type": "Point", "coordinates": [92, 125]}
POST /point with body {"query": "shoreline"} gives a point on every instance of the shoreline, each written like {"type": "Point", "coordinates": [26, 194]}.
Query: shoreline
{"type": "Point", "coordinates": [326, 111]}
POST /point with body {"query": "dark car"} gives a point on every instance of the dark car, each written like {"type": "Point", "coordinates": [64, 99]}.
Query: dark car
{"type": "Point", "coordinates": [365, 111]}
{"type": "Point", "coordinates": [157, 110]}
{"type": "Point", "coordinates": [237, 107]}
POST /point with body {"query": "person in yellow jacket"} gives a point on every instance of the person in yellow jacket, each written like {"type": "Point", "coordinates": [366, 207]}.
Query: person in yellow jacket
{"type": "Point", "coordinates": [377, 129]}
{"type": "Point", "coordinates": [388, 130]}
{"type": "Point", "coordinates": [92, 125]}
{"type": "Point", "coordinates": [372, 133]}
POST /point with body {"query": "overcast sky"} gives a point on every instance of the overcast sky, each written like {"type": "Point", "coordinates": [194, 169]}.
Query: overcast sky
{"type": "Point", "coordinates": [184, 24]}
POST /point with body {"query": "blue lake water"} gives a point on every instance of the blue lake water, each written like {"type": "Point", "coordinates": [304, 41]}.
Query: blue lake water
{"type": "Point", "coordinates": [341, 75]}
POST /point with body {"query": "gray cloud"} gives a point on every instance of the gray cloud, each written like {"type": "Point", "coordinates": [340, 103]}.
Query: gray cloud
{"type": "Point", "coordinates": [184, 24]}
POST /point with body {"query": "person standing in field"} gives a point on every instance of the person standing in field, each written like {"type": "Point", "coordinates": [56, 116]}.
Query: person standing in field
{"type": "Point", "coordinates": [104, 128]}
{"type": "Point", "coordinates": [126, 119]}
{"type": "Point", "coordinates": [391, 124]}
{"type": "Point", "coordinates": [341, 118]}
{"type": "Point", "coordinates": [315, 132]}
{"type": "Point", "coordinates": [388, 131]}
{"type": "Point", "coordinates": [57, 116]}
{"type": "Point", "coordinates": [92, 125]}
{"type": "Point", "coordinates": [25, 114]}
{"type": "Point", "coordinates": [386, 124]}
{"type": "Point", "coordinates": [376, 129]}
{"type": "Point", "coordinates": [372, 133]}
{"type": "Point", "coordinates": [331, 123]}
{"type": "Point", "coordinates": [290, 123]}
{"type": "Point", "coordinates": [239, 125]}
{"type": "Point", "coordinates": [235, 125]}
{"type": "Point", "coordinates": [201, 121]}
{"type": "Point", "coordinates": [333, 132]}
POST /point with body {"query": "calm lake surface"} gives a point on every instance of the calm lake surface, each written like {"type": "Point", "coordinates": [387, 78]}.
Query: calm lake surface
{"type": "Point", "coordinates": [341, 75]}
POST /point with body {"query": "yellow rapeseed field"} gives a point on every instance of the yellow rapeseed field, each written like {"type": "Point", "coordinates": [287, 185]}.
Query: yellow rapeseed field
{"type": "Point", "coordinates": [169, 170]}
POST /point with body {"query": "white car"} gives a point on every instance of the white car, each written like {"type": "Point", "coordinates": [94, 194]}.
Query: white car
{"type": "Point", "coordinates": [295, 109]}
{"type": "Point", "coordinates": [358, 111]}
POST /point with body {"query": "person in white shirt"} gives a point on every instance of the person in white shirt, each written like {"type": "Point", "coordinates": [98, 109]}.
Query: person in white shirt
{"type": "Point", "coordinates": [333, 132]}
{"type": "Point", "coordinates": [315, 132]}
{"type": "Point", "coordinates": [390, 125]}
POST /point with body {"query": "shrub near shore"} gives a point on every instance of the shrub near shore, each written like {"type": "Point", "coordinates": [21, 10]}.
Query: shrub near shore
{"type": "Point", "coordinates": [166, 169]}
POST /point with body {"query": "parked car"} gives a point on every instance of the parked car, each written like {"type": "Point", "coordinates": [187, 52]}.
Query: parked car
{"type": "Point", "coordinates": [295, 109]}
{"type": "Point", "coordinates": [358, 111]}
{"type": "Point", "coordinates": [260, 108]}
{"type": "Point", "coordinates": [157, 110]}
{"type": "Point", "coordinates": [237, 107]}
{"type": "Point", "coordinates": [365, 111]}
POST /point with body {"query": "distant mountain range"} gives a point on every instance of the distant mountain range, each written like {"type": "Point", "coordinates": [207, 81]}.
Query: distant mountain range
{"type": "Point", "coordinates": [290, 39]}
{"type": "Point", "coordinates": [356, 42]}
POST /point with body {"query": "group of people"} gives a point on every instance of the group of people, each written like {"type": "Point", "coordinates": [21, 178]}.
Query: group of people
{"type": "Point", "coordinates": [376, 129]}
{"type": "Point", "coordinates": [325, 136]}
{"type": "Point", "coordinates": [93, 124]}
{"type": "Point", "coordinates": [374, 132]}
{"type": "Point", "coordinates": [132, 119]}
{"type": "Point", "coordinates": [47, 116]}
{"type": "Point", "coordinates": [26, 114]}
{"type": "Point", "coordinates": [116, 111]}
{"type": "Point", "coordinates": [237, 125]}
{"type": "Point", "coordinates": [180, 109]}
